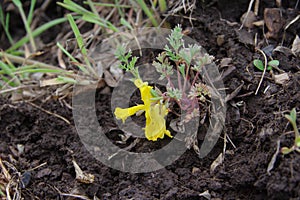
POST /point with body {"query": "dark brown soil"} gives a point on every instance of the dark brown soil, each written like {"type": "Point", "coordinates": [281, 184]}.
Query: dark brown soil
{"type": "Point", "coordinates": [254, 123]}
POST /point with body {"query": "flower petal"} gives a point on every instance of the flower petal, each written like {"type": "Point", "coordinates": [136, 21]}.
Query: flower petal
{"type": "Point", "coordinates": [156, 123]}
{"type": "Point", "coordinates": [123, 113]}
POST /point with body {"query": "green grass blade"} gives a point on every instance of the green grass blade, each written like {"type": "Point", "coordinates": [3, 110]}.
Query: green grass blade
{"type": "Point", "coordinates": [64, 79]}
{"type": "Point", "coordinates": [69, 5]}
{"type": "Point", "coordinates": [21, 60]}
{"type": "Point", "coordinates": [80, 43]}
{"type": "Point", "coordinates": [147, 11]}
{"type": "Point", "coordinates": [52, 71]}
{"type": "Point", "coordinates": [126, 23]}
{"type": "Point", "coordinates": [121, 13]}
{"type": "Point", "coordinates": [88, 16]}
{"type": "Point", "coordinates": [5, 24]}
{"type": "Point", "coordinates": [27, 27]}
{"type": "Point", "coordinates": [31, 10]}
{"type": "Point", "coordinates": [7, 70]}
{"type": "Point", "coordinates": [66, 52]}
{"type": "Point", "coordinates": [109, 5]}
{"type": "Point", "coordinates": [17, 3]}
{"type": "Point", "coordinates": [72, 58]}
{"type": "Point", "coordinates": [90, 3]}
{"type": "Point", "coordinates": [162, 5]}
{"type": "Point", "coordinates": [36, 32]}
{"type": "Point", "coordinates": [7, 82]}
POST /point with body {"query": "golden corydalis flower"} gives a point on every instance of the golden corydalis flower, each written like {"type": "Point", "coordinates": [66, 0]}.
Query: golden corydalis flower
{"type": "Point", "coordinates": [155, 113]}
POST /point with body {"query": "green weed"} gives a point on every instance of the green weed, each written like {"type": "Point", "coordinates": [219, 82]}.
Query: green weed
{"type": "Point", "coordinates": [292, 117]}
{"type": "Point", "coordinates": [259, 64]}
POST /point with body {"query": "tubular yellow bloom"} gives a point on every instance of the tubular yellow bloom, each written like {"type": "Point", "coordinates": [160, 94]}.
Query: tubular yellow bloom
{"type": "Point", "coordinates": [155, 113]}
{"type": "Point", "coordinates": [122, 114]}
{"type": "Point", "coordinates": [156, 123]}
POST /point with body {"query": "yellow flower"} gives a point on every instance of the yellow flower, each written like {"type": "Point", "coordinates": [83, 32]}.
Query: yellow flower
{"type": "Point", "coordinates": [155, 113]}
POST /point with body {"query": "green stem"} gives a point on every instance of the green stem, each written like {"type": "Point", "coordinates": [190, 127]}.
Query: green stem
{"type": "Point", "coordinates": [178, 79]}
{"type": "Point", "coordinates": [297, 135]}
{"type": "Point", "coordinates": [195, 78]}
{"type": "Point", "coordinates": [186, 76]}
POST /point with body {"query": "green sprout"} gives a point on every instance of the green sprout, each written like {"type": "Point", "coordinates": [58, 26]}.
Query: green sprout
{"type": "Point", "coordinates": [127, 60]}
{"type": "Point", "coordinates": [4, 19]}
{"type": "Point", "coordinates": [292, 119]}
{"type": "Point", "coordinates": [259, 64]}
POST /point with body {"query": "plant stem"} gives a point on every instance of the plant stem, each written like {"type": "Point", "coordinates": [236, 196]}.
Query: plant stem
{"type": "Point", "coordinates": [195, 78]}
{"type": "Point", "coordinates": [179, 79]}
{"type": "Point", "coordinates": [186, 76]}
{"type": "Point", "coordinates": [297, 135]}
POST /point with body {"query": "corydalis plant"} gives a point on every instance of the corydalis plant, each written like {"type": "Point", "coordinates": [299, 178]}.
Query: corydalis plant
{"type": "Point", "coordinates": [155, 110]}
{"type": "Point", "coordinates": [186, 63]}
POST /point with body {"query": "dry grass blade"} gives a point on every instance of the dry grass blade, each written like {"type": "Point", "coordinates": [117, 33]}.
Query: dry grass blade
{"type": "Point", "coordinates": [50, 113]}
{"type": "Point", "coordinates": [264, 72]}
{"type": "Point", "coordinates": [9, 183]}
{"type": "Point", "coordinates": [4, 180]}
{"type": "Point", "coordinates": [248, 11]}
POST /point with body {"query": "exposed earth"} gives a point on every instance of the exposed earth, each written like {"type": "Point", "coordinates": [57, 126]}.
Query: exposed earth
{"type": "Point", "coordinates": [255, 123]}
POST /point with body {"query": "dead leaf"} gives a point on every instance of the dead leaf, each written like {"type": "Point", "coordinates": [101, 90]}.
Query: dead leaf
{"type": "Point", "coordinates": [61, 61]}
{"type": "Point", "coordinates": [246, 37]}
{"type": "Point", "coordinates": [50, 82]}
{"type": "Point", "coordinates": [205, 194]}
{"type": "Point", "coordinates": [81, 176]}
{"type": "Point", "coordinates": [109, 79]}
{"type": "Point", "coordinates": [259, 23]}
{"type": "Point", "coordinates": [195, 170]}
{"type": "Point", "coordinates": [218, 161]}
{"type": "Point", "coordinates": [273, 21]}
{"type": "Point", "coordinates": [296, 46]}
{"type": "Point", "coordinates": [274, 157]}
{"type": "Point", "coordinates": [248, 18]}
{"type": "Point", "coordinates": [225, 62]}
{"type": "Point", "coordinates": [281, 78]}
{"type": "Point", "coordinates": [286, 51]}
{"type": "Point", "coordinates": [116, 72]}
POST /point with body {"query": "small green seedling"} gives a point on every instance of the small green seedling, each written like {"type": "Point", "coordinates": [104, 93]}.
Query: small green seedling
{"type": "Point", "coordinates": [292, 119]}
{"type": "Point", "coordinates": [259, 64]}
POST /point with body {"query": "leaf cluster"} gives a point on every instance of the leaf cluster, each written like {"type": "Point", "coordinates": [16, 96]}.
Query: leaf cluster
{"type": "Point", "coordinates": [127, 60]}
